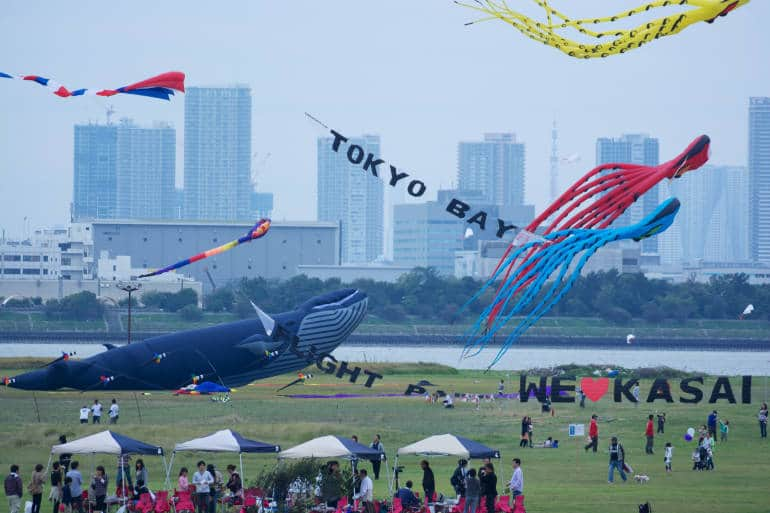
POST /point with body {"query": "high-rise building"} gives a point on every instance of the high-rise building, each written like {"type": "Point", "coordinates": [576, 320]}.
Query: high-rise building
{"type": "Point", "coordinates": [352, 198]}
{"type": "Point", "coordinates": [95, 177]}
{"type": "Point", "coordinates": [425, 235]}
{"type": "Point", "coordinates": [261, 204]}
{"type": "Point", "coordinates": [146, 166]}
{"type": "Point", "coordinates": [759, 179]}
{"type": "Point", "coordinates": [633, 149]}
{"type": "Point", "coordinates": [493, 167]}
{"type": "Point", "coordinates": [217, 153]}
{"type": "Point", "coordinates": [713, 223]}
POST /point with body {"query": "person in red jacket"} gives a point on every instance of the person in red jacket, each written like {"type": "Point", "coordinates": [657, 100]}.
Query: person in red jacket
{"type": "Point", "coordinates": [593, 433]}
{"type": "Point", "coordinates": [650, 434]}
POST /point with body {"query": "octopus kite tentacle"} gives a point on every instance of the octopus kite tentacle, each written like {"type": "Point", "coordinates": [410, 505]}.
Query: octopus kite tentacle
{"type": "Point", "coordinates": [553, 260]}
{"type": "Point", "coordinates": [618, 40]}
{"type": "Point", "coordinates": [617, 186]}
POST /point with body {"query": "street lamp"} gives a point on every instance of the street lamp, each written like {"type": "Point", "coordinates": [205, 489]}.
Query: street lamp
{"type": "Point", "coordinates": [129, 287]}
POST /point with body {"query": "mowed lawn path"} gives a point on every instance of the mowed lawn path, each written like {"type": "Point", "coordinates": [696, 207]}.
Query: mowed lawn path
{"type": "Point", "coordinates": [556, 480]}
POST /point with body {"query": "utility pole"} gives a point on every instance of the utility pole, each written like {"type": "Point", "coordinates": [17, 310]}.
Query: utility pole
{"type": "Point", "coordinates": [130, 288]}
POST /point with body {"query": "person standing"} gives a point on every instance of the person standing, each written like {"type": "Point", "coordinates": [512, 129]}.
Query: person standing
{"type": "Point", "coordinates": [183, 481]}
{"type": "Point", "coordinates": [472, 492]}
{"type": "Point", "coordinates": [56, 486]}
{"type": "Point", "coordinates": [582, 397]}
{"type": "Point", "coordinates": [458, 477]}
{"type": "Point", "coordinates": [76, 486]}
{"type": "Point", "coordinates": [712, 423]}
{"type": "Point", "coordinates": [66, 457]}
{"type": "Point", "coordinates": [202, 480]}
{"type": "Point", "coordinates": [215, 488]}
{"type": "Point", "coordinates": [85, 411]}
{"type": "Point", "coordinates": [617, 458]}
{"type": "Point", "coordinates": [124, 471]}
{"type": "Point", "coordinates": [366, 492]}
{"type": "Point", "coordinates": [501, 388]}
{"type": "Point", "coordinates": [763, 421]}
{"type": "Point", "coordinates": [661, 422]}
{"type": "Point", "coordinates": [488, 482]}
{"type": "Point", "coordinates": [593, 433]}
{"type": "Point", "coordinates": [668, 456]}
{"type": "Point", "coordinates": [114, 412]}
{"type": "Point", "coordinates": [99, 485]}
{"type": "Point", "coordinates": [377, 446]}
{"type": "Point", "coordinates": [636, 393]}
{"type": "Point", "coordinates": [524, 431]}
{"type": "Point", "coordinates": [331, 485]}
{"type": "Point", "coordinates": [14, 489]}
{"type": "Point", "coordinates": [35, 487]}
{"type": "Point", "coordinates": [517, 479]}
{"type": "Point", "coordinates": [96, 412]}
{"type": "Point", "coordinates": [724, 429]}
{"type": "Point", "coordinates": [649, 432]}
{"type": "Point", "coordinates": [428, 481]}
{"type": "Point", "coordinates": [530, 432]}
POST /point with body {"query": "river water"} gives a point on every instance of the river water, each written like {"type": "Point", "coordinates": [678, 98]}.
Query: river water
{"type": "Point", "coordinates": [755, 363]}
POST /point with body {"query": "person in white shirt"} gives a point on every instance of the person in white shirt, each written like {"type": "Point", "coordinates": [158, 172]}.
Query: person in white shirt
{"type": "Point", "coordinates": [114, 412]}
{"type": "Point", "coordinates": [84, 411]}
{"type": "Point", "coordinates": [202, 479]}
{"type": "Point", "coordinates": [517, 480]}
{"type": "Point", "coordinates": [668, 456]}
{"type": "Point", "coordinates": [366, 492]}
{"type": "Point", "coordinates": [96, 412]}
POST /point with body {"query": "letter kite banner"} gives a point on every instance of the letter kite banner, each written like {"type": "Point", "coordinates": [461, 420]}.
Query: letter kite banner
{"type": "Point", "coordinates": [617, 39]}
{"type": "Point", "coordinates": [258, 231]}
{"type": "Point", "coordinates": [527, 292]}
{"type": "Point", "coordinates": [161, 87]}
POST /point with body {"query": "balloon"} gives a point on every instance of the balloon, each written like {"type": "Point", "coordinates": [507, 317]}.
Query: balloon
{"type": "Point", "coordinates": [688, 437]}
{"type": "Point", "coordinates": [691, 431]}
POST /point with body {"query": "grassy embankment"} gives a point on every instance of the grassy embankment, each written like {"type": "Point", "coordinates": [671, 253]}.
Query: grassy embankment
{"type": "Point", "coordinates": [565, 479]}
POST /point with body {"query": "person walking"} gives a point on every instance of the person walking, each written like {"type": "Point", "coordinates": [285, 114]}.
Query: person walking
{"type": "Point", "coordinates": [762, 421]}
{"type": "Point", "coordinates": [593, 433]}
{"type": "Point", "coordinates": [202, 480]}
{"type": "Point", "coordinates": [517, 480]}
{"type": "Point", "coordinates": [96, 412]}
{"type": "Point", "coordinates": [366, 492]}
{"type": "Point", "coordinates": [14, 489]}
{"type": "Point", "coordinates": [488, 482]}
{"type": "Point", "coordinates": [472, 492]}
{"type": "Point", "coordinates": [35, 487]}
{"type": "Point", "coordinates": [458, 477]}
{"type": "Point", "coordinates": [617, 458]}
{"type": "Point", "coordinates": [57, 479]}
{"type": "Point", "coordinates": [377, 446]}
{"type": "Point", "coordinates": [428, 481]}
{"type": "Point", "coordinates": [114, 412]}
{"type": "Point", "coordinates": [649, 432]}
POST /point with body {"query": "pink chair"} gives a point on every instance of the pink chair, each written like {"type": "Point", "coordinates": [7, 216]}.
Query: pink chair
{"type": "Point", "coordinates": [518, 504]}
{"type": "Point", "coordinates": [342, 503]}
{"type": "Point", "coordinates": [162, 502]}
{"type": "Point", "coordinates": [502, 504]}
{"type": "Point", "coordinates": [460, 506]}
{"type": "Point", "coordinates": [397, 507]}
{"type": "Point", "coordinates": [184, 502]}
{"type": "Point", "coordinates": [145, 504]}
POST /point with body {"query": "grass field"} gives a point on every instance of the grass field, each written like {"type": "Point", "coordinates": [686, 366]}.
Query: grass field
{"type": "Point", "coordinates": [556, 480]}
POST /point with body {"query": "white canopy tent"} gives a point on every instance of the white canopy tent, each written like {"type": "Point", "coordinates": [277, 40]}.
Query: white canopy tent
{"type": "Point", "coordinates": [225, 440]}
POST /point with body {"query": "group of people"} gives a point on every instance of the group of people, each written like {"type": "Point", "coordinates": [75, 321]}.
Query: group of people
{"type": "Point", "coordinates": [95, 412]}
{"type": "Point", "coordinates": [208, 486]}
{"type": "Point", "coordinates": [527, 432]}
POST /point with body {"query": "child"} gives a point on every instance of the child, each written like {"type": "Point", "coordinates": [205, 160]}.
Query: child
{"type": "Point", "coordinates": [668, 455]}
{"type": "Point", "coordinates": [84, 411]}
{"type": "Point", "coordinates": [66, 498]}
{"type": "Point", "coordinates": [724, 427]}
{"type": "Point", "coordinates": [696, 459]}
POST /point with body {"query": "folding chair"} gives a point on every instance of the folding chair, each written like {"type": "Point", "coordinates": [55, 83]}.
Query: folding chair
{"type": "Point", "coordinates": [518, 504]}
{"type": "Point", "coordinates": [183, 502]}
{"type": "Point", "coordinates": [162, 502]}
{"type": "Point", "coordinates": [502, 504]}
{"type": "Point", "coordinates": [459, 507]}
{"type": "Point", "coordinates": [145, 504]}
{"type": "Point", "coordinates": [397, 507]}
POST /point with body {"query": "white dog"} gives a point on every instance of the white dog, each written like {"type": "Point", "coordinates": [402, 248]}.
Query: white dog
{"type": "Point", "coordinates": [642, 478]}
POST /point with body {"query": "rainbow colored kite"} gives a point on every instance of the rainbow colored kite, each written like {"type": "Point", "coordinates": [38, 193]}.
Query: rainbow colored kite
{"type": "Point", "coordinates": [258, 231]}
{"type": "Point", "coordinates": [616, 39]}
{"type": "Point", "coordinates": [161, 86]}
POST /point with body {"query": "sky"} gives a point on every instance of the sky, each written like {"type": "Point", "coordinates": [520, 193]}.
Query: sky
{"type": "Point", "coordinates": [407, 70]}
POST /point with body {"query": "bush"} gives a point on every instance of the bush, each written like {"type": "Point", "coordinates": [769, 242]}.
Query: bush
{"type": "Point", "coordinates": [221, 300]}
{"type": "Point", "coordinates": [170, 301]}
{"type": "Point", "coordinates": [278, 478]}
{"type": "Point", "coordinates": [652, 313]}
{"type": "Point", "coordinates": [393, 313]}
{"type": "Point", "coordinates": [616, 315]}
{"type": "Point", "coordinates": [83, 306]}
{"type": "Point", "coordinates": [191, 313]}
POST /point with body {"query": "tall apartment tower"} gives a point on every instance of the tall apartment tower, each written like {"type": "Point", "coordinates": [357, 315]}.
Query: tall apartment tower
{"type": "Point", "coordinates": [759, 179]}
{"type": "Point", "coordinates": [493, 167]}
{"type": "Point", "coordinates": [94, 193]}
{"type": "Point", "coordinates": [217, 153]}
{"type": "Point", "coordinates": [352, 198]}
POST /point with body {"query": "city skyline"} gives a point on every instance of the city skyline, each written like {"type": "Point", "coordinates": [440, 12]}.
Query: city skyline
{"type": "Point", "coordinates": [420, 105]}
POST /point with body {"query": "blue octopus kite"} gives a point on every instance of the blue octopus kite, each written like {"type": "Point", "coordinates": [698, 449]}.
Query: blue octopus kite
{"type": "Point", "coordinates": [556, 254]}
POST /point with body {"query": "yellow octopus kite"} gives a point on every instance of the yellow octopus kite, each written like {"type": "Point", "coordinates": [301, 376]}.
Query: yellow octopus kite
{"type": "Point", "coordinates": [617, 40]}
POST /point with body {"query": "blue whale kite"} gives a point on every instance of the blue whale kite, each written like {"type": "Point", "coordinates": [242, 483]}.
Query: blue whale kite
{"type": "Point", "coordinates": [231, 354]}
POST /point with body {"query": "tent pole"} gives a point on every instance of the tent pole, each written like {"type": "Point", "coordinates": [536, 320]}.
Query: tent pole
{"type": "Point", "coordinates": [48, 465]}
{"type": "Point", "coordinates": [168, 469]}
{"type": "Point", "coordinates": [243, 474]}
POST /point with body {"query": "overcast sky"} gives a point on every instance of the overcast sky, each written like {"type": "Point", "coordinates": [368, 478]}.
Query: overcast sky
{"type": "Point", "coordinates": [405, 69]}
